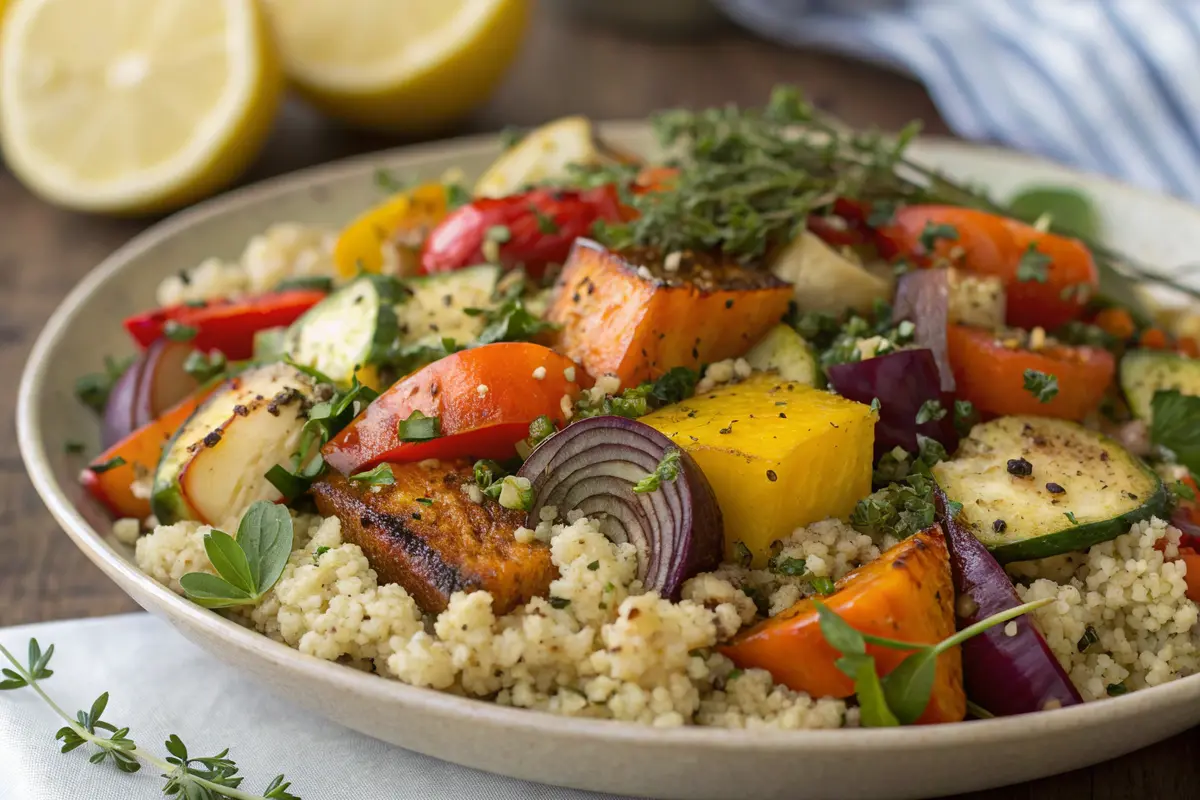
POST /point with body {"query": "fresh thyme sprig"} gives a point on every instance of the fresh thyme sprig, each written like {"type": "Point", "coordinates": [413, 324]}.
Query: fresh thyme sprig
{"type": "Point", "coordinates": [202, 778]}
{"type": "Point", "coordinates": [749, 178]}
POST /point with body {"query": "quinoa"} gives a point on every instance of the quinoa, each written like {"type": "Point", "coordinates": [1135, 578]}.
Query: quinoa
{"type": "Point", "coordinates": [603, 648]}
{"type": "Point", "coordinates": [1133, 596]}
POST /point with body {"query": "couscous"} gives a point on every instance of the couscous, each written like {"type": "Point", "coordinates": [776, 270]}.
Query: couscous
{"type": "Point", "coordinates": [771, 435]}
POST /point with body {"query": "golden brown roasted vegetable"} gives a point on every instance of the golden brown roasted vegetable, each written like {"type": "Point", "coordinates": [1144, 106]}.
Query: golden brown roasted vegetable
{"type": "Point", "coordinates": [425, 533]}
{"type": "Point", "coordinates": [638, 314]}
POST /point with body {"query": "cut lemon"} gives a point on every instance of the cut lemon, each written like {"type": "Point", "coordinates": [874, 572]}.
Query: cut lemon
{"type": "Point", "coordinates": [402, 65]}
{"type": "Point", "coordinates": [133, 106]}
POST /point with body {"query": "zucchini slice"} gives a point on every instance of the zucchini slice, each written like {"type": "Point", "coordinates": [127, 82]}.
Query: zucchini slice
{"type": "Point", "coordinates": [1083, 488]}
{"type": "Point", "coordinates": [436, 307]}
{"type": "Point", "coordinates": [354, 327]}
{"type": "Point", "coordinates": [1145, 372]}
{"type": "Point", "coordinates": [214, 466]}
{"type": "Point", "coordinates": [785, 351]}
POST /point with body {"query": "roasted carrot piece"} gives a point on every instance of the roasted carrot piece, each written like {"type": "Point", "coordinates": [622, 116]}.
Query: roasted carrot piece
{"type": "Point", "coordinates": [1189, 557]}
{"type": "Point", "coordinates": [1115, 321]}
{"type": "Point", "coordinates": [1188, 346]}
{"type": "Point", "coordinates": [638, 314]}
{"type": "Point", "coordinates": [905, 594]}
{"type": "Point", "coordinates": [140, 452]}
{"type": "Point", "coordinates": [1154, 339]}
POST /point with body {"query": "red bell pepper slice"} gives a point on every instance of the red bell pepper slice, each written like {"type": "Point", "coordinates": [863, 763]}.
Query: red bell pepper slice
{"type": "Point", "coordinates": [225, 325]}
{"type": "Point", "coordinates": [532, 229]}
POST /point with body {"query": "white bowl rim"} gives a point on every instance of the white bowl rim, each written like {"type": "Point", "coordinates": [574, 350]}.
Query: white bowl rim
{"type": "Point", "coordinates": [254, 644]}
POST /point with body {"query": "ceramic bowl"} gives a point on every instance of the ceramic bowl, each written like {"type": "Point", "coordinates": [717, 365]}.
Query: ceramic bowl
{"type": "Point", "coordinates": [686, 763]}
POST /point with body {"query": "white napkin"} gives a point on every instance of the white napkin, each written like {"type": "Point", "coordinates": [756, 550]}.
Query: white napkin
{"type": "Point", "coordinates": [159, 683]}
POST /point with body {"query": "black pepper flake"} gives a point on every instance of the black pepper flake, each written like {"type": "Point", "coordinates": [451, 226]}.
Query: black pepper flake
{"type": "Point", "coordinates": [447, 300]}
{"type": "Point", "coordinates": [771, 476]}
{"type": "Point", "coordinates": [729, 303]}
{"type": "Point", "coordinates": [695, 353]}
{"type": "Point", "coordinates": [273, 409]}
{"type": "Point", "coordinates": [575, 298]}
{"type": "Point", "coordinates": [241, 410]}
{"type": "Point", "coordinates": [1019, 467]}
{"type": "Point", "coordinates": [728, 428]}
{"type": "Point", "coordinates": [782, 415]}
{"type": "Point", "coordinates": [365, 520]}
{"type": "Point", "coordinates": [1104, 455]}
{"type": "Point", "coordinates": [692, 413]}
{"type": "Point", "coordinates": [1054, 488]}
{"type": "Point", "coordinates": [999, 525]}
{"type": "Point", "coordinates": [416, 515]}
{"type": "Point", "coordinates": [212, 438]}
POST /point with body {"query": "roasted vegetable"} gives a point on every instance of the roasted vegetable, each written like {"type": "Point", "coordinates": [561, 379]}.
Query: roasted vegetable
{"type": "Point", "coordinates": [426, 534]}
{"type": "Point", "coordinates": [905, 594]}
{"type": "Point", "coordinates": [1145, 372]}
{"type": "Point", "coordinates": [401, 224]}
{"type": "Point", "coordinates": [641, 487]}
{"type": "Point", "coordinates": [110, 476]}
{"type": "Point", "coordinates": [225, 325]}
{"type": "Point", "coordinates": [1048, 278]}
{"type": "Point", "coordinates": [477, 402]}
{"type": "Point", "coordinates": [999, 379]}
{"type": "Point", "coordinates": [910, 403]}
{"type": "Point", "coordinates": [824, 279]}
{"type": "Point", "coordinates": [1033, 487]}
{"type": "Point", "coordinates": [1007, 669]}
{"type": "Point", "coordinates": [543, 154]}
{"type": "Point", "coordinates": [778, 455]}
{"type": "Point", "coordinates": [639, 314]}
{"type": "Point", "coordinates": [153, 384]}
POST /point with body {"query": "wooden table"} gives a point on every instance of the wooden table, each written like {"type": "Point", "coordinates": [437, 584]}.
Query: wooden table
{"type": "Point", "coordinates": [563, 69]}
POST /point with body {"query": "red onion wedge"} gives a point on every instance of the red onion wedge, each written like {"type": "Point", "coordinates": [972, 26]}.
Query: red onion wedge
{"type": "Point", "coordinates": [1003, 674]}
{"type": "Point", "coordinates": [903, 382]}
{"type": "Point", "coordinates": [153, 383]}
{"type": "Point", "coordinates": [923, 297]}
{"type": "Point", "coordinates": [592, 466]}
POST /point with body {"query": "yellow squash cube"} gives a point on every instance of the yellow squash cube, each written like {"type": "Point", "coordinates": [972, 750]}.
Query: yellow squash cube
{"type": "Point", "coordinates": [778, 455]}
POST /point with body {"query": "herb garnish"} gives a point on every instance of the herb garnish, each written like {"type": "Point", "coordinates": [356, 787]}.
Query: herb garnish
{"type": "Point", "coordinates": [1034, 265]}
{"type": "Point", "coordinates": [792, 567]}
{"type": "Point", "coordinates": [1183, 491]}
{"type": "Point", "coordinates": [312, 283]}
{"type": "Point", "coordinates": [382, 475]}
{"type": "Point", "coordinates": [965, 416]}
{"type": "Point", "coordinates": [930, 411]}
{"type": "Point", "coordinates": [419, 428]}
{"type": "Point", "coordinates": [742, 554]}
{"type": "Point", "coordinates": [178, 332]}
{"type": "Point", "coordinates": [667, 470]}
{"type": "Point", "coordinates": [1175, 426]}
{"type": "Point", "coordinates": [248, 566]}
{"type": "Point", "coordinates": [511, 321]}
{"type": "Point", "coordinates": [93, 388]}
{"type": "Point", "coordinates": [933, 231]}
{"type": "Point", "coordinates": [105, 466]}
{"type": "Point", "coordinates": [204, 366]}
{"type": "Point", "coordinates": [545, 222]}
{"type": "Point", "coordinates": [899, 697]}
{"type": "Point", "coordinates": [822, 585]}
{"type": "Point", "coordinates": [511, 136]}
{"type": "Point", "coordinates": [388, 182]}
{"type": "Point", "coordinates": [1041, 385]}
{"type": "Point", "coordinates": [204, 778]}
{"type": "Point", "coordinates": [675, 386]}
{"type": "Point", "coordinates": [899, 509]}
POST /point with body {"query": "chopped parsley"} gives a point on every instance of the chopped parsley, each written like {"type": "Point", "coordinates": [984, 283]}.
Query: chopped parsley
{"type": "Point", "coordinates": [105, 466]}
{"type": "Point", "coordinates": [930, 411]}
{"type": "Point", "coordinates": [1089, 638]}
{"type": "Point", "coordinates": [380, 476]}
{"type": "Point", "coordinates": [545, 222]}
{"type": "Point", "coordinates": [822, 585]}
{"type": "Point", "coordinates": [899, 509]}
{"type": "Point", "coordinates": [93, 388]}
{"type": "Point", "coordinates": [457, 196]}
{"type": "Point", "coordinates": [1183, 491]}
{"type": "Point", "coordinates": [965, 416]}
{"type": "Point", "coordinates": [667, 470]}
{"type": "Point", "coordinates": [559, 602]}
{"type": "Point", "coordinates": [311, 283]}
{"type": "Point", "coordinates": [792, 567]}
{"type": "Point", "coordinates": [1175, 426]}
{"type": "Point", "coordinates": [320, 551]}
{"type": "Point", "coordinates": [1070, 515]}
{"type": "Point", "coordinates": [178, 332]}
{"type": "Point", "coordinates": [1033, 266]}
{"type": "Point", "coordinates": [204, 366]}
{"type": "Point", "coordinates": [511, 321]}
{"type": "Point", "coordinates": [419, 428]}
{"type": "Point", "coordinates": [1041, 385]}
{"type": "Point", "coordinates": [742, 554]}
{"type": "Point", "coordinates": [934, 231]}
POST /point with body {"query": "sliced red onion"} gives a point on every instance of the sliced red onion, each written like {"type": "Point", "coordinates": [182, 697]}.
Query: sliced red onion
{"type": "Point", "coordinates": [923, 298]}
{"type": "Point", "coordinates": [153, 383]}
{"type": "Point", "coordinates": [592, 466]}
{"type": "Point", "coordinates": [903, 382]}
{"type": "Point", "coordinates": [1004, 674]}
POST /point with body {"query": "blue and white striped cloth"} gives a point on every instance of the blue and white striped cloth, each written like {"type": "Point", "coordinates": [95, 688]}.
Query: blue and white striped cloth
{"type": "Point", "coordinates": [1110, 86]}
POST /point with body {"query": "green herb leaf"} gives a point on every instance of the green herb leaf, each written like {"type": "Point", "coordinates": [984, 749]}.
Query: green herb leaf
{"type": "Point", "coordinates": [308, 283]}
{"type": "Point", "coordinates": [792, 567]}
{"type": "Point", "coordinates": [559, 602]}
{"type": "Point", "coordinates": [742, 554]}
{"type": "Point", "coordinates": [1175, 425]}
{"type": "Point", "coordinates": [1070, 210]}
{"type": "Point", "coordinates": [320, 551]}
{"type": "Point", "coordinates": [930, 411]}
{"type": "Point", "coordinates": [822, 585]}
{"type": "Point", "coordinates": [667, 470]}
{"type": "Point", "coordinates": [230, 561]}
{"type": "Point", "coordinates": [388, 182]}
{"type": "Point", "coordinates": [541, 429]}
{"type": "Point", "coordinates": [1042, 386]}
{"type": "Point", "coordinates": [382, 475]}
{"type": "Point", "coordinates": [934, 231]}
{"type": "Point", "coordinates": [511, 136]}
{"type": "Point", "coordinates": [1117, 689]}
{"type": "Point", "coordinates": [265, 534]}
{"type": "Point", "coordinates": [839, 633]}
{"type": "Point", "coordinates": [511, 322]}
{"type": "Point", "coordinates": [419, 428]}
{"type": "Point", "coordinates": [1070, 515]}
{"type": "Point", "coordinates": [212, 592]}
{"type": "Point", "coordinates": [178, 332]}
{"type": "Point", "coordinates": [872, 702]}
{"type": "Point", "coordinates": [965, 416]}
{"type": "Point", "coordinates": [457, 196]}
{"type": "Point", "coordinates": [204, 367]}
{"type": "Point", "coordinates": [545, 223]}
{"type": "Point", "coordinates": [1034, 265]}
{"type": "Point", "coordinates": [93, 389]}
{"type": "Point", "coordinates": [1183, 491]}
{"type": "Point", "coordinates": [909, 686]}
{"type": "Point", "coordinates": [487, 473]}
{"type": "Point", "coordinates": [105, 466]}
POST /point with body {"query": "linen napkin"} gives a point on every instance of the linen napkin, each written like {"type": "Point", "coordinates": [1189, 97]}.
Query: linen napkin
{"type": "Point", "coordinates": [1108, 86]}
{"type": "Point", "coordinates": [159, 683]}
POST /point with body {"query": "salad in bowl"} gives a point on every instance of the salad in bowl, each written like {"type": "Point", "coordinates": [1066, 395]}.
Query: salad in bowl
{"type": "Point", "coordinates": [779, 429]}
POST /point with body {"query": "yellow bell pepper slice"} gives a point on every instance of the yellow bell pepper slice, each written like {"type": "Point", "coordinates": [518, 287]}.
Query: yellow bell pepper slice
{"type": "Point", "coordinates": [402, 222]}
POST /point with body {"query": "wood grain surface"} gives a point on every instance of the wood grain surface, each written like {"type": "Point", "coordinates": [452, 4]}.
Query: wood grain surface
{"type": "Point", "coordinates": [563, 69]}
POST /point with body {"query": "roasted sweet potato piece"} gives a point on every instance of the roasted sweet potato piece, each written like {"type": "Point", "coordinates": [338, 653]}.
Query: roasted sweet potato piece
{"type": "Point", "coordinates": [906, 594]}
{"type": "Point", "coordinates": [426, 534]}
{"type": "Point", "coordinates": [638, 314]}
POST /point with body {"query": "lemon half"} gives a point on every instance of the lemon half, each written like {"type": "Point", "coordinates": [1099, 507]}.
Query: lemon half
{"type": "Point", "coordinates": [404, 65]}
{"type": "Point", "coordinates": [132, 106]}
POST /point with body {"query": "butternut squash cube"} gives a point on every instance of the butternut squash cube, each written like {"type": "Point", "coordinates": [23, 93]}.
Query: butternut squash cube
{"type": "Point", "coordinates": [637, 314]}
{"type": "Point", "coordinates": [778, 455]}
